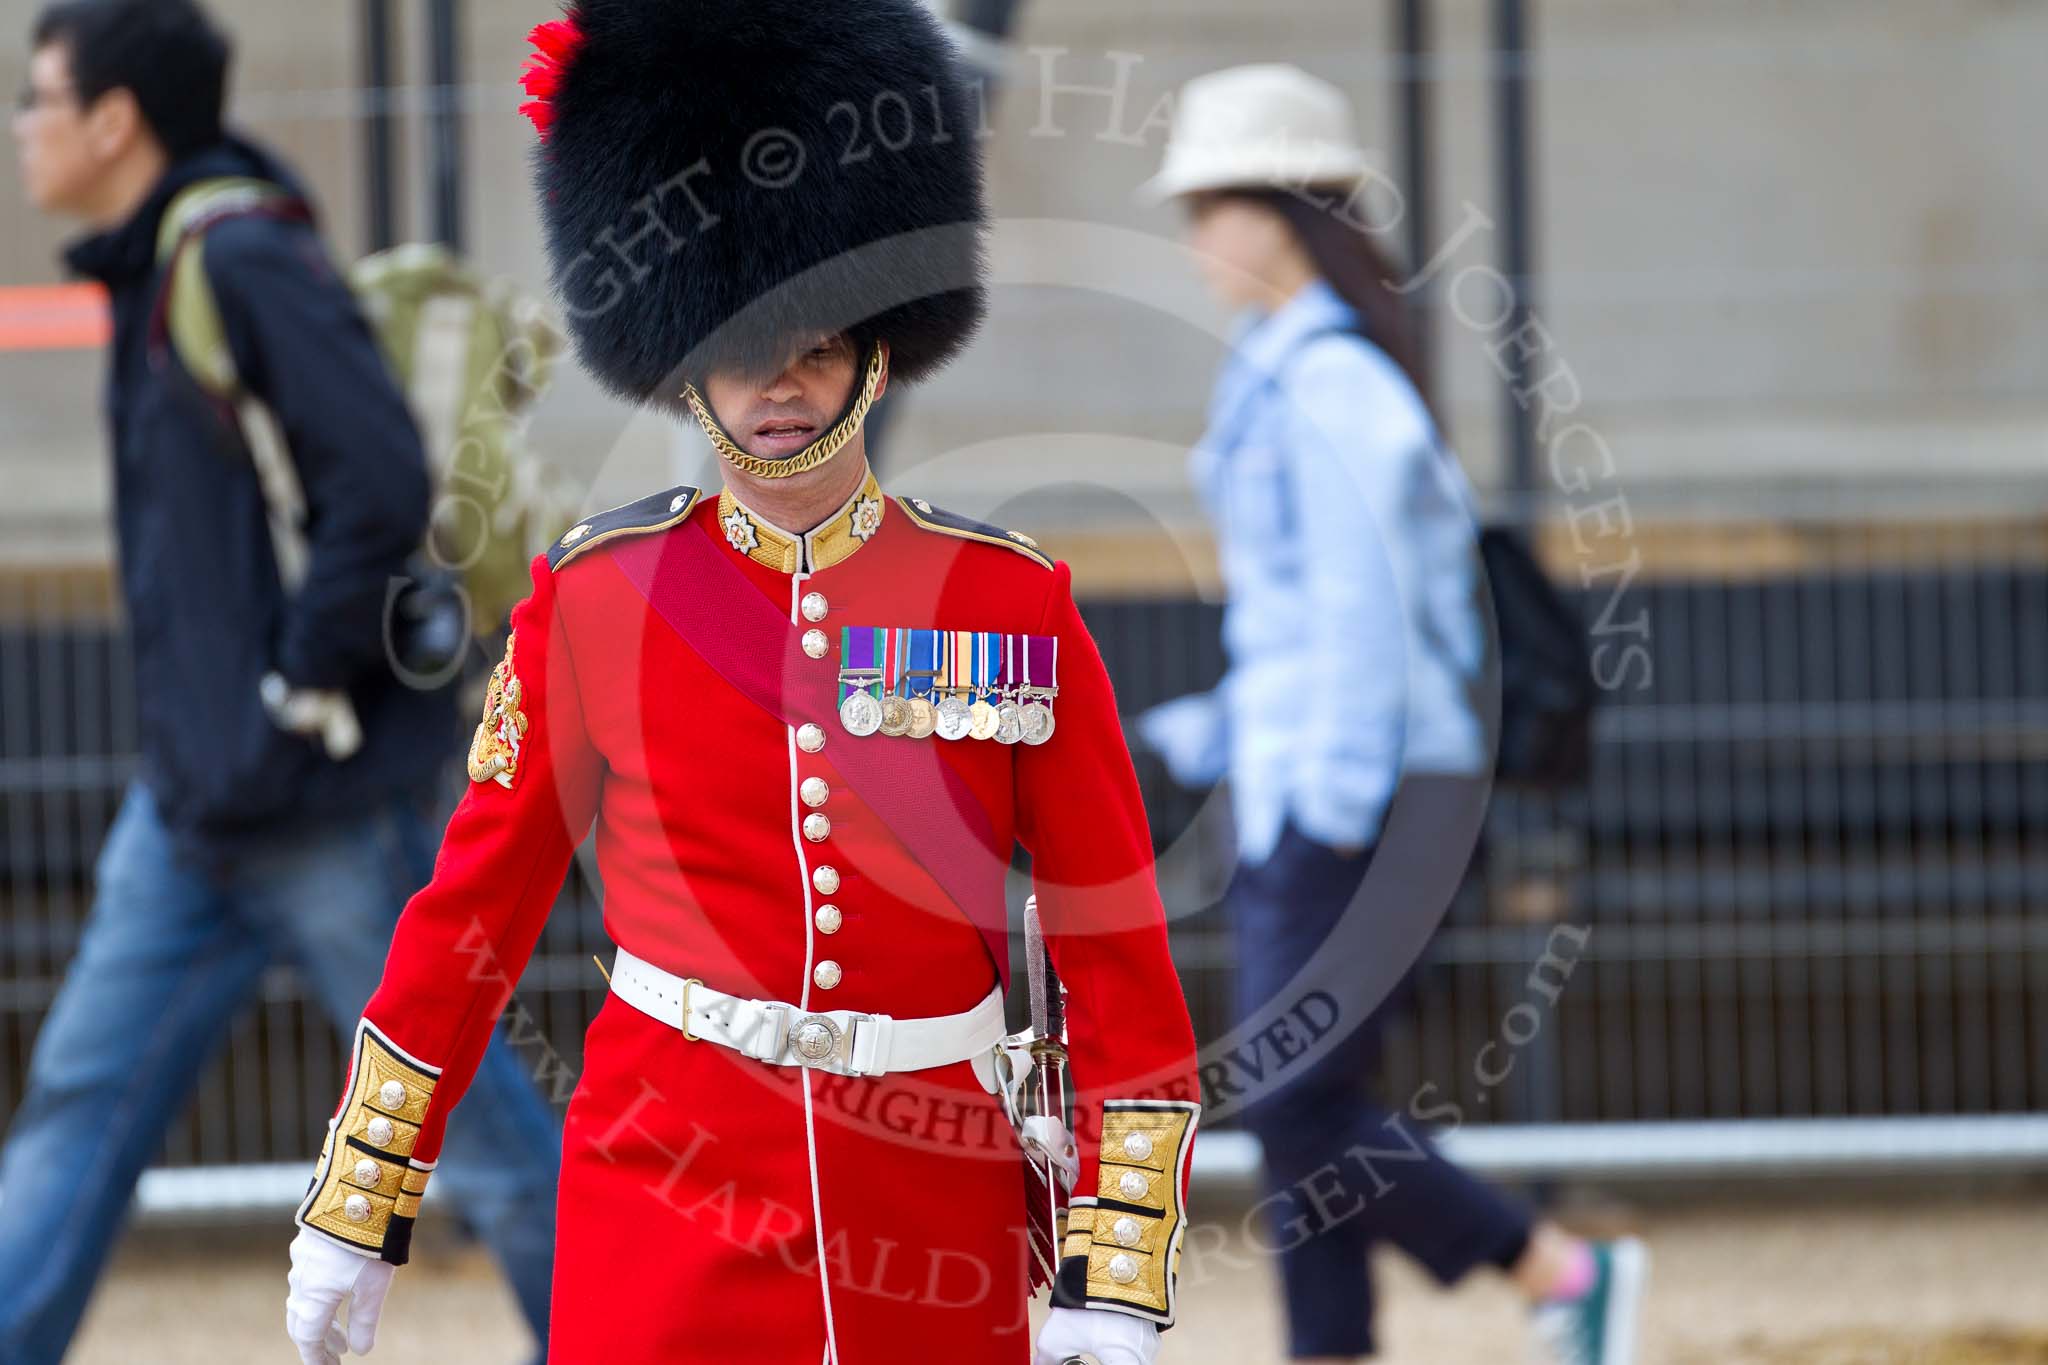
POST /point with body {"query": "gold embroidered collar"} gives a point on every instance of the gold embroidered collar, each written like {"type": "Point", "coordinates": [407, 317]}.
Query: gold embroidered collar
{"type": "Point", "coordinates": [834, 541]}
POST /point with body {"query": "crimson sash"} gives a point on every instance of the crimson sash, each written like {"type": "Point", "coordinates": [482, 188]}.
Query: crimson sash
{"type": "Point", "coordinates": [729, 624]}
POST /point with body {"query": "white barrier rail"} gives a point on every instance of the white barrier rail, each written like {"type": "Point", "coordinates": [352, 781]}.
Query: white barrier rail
{"type": "Point", "coordinates": [1645, 1151]}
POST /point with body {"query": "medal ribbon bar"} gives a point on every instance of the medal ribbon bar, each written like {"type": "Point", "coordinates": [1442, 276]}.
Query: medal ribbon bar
{"type": "Point", "coordinates": [860, 670]}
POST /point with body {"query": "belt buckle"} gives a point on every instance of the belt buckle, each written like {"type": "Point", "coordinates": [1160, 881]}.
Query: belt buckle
{"type": "Point", "coordinates": [815, 1040]}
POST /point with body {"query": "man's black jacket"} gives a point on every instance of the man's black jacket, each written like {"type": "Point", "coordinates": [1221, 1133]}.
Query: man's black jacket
{"type": "Point", "coordinates": [208, 613]}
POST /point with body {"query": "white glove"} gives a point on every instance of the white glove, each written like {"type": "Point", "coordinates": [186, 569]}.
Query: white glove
{"type": "Point", "coordinates": [324, 1276]}
{"type": "Point", "coordinates": [1112, 1338]}
{"type": "Point", "coordinates": [329, 717]}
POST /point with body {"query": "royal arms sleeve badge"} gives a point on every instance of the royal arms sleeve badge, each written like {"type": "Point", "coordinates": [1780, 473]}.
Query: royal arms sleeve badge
{"type": "Point", "coordinates": [500, 737]}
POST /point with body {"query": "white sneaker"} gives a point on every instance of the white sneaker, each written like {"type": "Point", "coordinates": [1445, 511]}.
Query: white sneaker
{"type": "Point", "coordinates": [1598, 1327]}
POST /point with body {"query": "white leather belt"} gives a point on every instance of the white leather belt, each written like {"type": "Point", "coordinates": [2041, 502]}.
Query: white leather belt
{"type": "Point", "coordinates": [841, 1041]}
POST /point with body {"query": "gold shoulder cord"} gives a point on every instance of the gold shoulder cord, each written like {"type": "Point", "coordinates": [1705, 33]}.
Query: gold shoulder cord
{"type": "Point", "coordinates": [813, 455]}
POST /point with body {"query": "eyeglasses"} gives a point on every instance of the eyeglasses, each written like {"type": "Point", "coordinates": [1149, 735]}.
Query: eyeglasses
{"type": "Point", "coordinates": [31, 99]}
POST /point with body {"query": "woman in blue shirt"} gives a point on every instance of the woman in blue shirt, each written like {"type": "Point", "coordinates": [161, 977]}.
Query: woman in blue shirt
{"type": "Point", "coordinates": [1349, 723]}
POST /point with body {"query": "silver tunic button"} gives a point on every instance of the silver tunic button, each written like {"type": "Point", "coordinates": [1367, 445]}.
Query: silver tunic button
{"type": "Point", "coordinates": [815, 791]}
{"type": "Point", "coordinates": [826, 880]}
{"type": "Point", "coordinates": [380, 1131]}
{"type": "Point", "coordinates": [816, 645]}
{"type": "Point", "coordinates": [827, 974]}
{"type": "Point", "coordinates": [391, 1094]}
{"type": "Point", "coordinates": [369, 1172]}
{"type": "Point", "coordinates": [356, 1209]}
{"type": "Point", "coordinates": [815, 606]}
{"type": "Point", "coordinates": [1123, 1268]}
{"type": "Point", "coordinates": [810, 738]}
{"type": "Point", "coordinates": [1132, 1185]}
{"type": "Point", "coordinates": [1137, 1146]}
{"type": "Point", "coordinates": [1127, 1232]}
{"type": "Point", "coordinates": [828, 919]}
{"type": "Point", "coordinates": [817, 826]}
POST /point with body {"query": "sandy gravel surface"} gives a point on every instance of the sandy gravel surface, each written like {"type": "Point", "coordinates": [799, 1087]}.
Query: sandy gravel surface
{"type": "Point", "coordinates": [1923, 1282]}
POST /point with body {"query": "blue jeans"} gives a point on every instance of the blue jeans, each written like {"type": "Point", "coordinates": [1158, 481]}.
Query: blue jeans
{"type": "Point", "coordinates": [168, 957]}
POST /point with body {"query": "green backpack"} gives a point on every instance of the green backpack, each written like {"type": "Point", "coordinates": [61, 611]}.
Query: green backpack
{"type": "Point", "coordinates": [472, 356]}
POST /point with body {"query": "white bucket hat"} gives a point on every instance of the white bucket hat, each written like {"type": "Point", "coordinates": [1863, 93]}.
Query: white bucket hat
{"type": "Point", "coordinates": [1267, 125]}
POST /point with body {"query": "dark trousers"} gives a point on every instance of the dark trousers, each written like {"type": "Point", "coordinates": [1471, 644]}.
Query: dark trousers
{"type": "Point", "coordinates": [1322, 941]}
{"type": "Point", "coordinates": [170, 957]}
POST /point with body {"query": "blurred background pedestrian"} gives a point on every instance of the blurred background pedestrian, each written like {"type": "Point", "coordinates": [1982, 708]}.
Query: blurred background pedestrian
{"type": "Point", "coordinates": [287, 768]}
{"type": "Point", "coordinates": [1356, 636]}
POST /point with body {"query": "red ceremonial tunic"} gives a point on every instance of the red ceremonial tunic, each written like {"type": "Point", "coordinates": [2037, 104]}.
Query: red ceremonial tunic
{"type": "Point", "coordinates": [714, 1208]}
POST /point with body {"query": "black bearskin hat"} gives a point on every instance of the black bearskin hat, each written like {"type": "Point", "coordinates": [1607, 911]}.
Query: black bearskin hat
{"type": "Point", "coordinates": [722, 179]}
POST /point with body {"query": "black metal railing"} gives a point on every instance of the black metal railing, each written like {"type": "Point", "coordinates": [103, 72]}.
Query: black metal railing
{"type": "Point", "coordinates": [1807, 878]}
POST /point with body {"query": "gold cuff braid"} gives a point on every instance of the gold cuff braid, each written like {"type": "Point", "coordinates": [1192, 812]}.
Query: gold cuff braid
{"type": "Point", "coordinates": [366, 1190]}
{"type": "Point", "coordinates": [1129, 1234]}
{"type": "Point", "coordinates": [812, 455]}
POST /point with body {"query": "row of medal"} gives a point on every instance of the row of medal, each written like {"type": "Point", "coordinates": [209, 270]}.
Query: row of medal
{"type": "Point", "coordinates": [955, 684]}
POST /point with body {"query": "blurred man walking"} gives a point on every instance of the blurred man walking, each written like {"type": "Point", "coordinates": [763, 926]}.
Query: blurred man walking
{"type": "Point", "coordinates": [280, 811]}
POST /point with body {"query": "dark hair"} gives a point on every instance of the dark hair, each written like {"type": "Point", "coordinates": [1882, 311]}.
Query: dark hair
{"type": "Point", "coordinates": [168, 53]}
{"type": "Point", "coordinates": [1362, 274]}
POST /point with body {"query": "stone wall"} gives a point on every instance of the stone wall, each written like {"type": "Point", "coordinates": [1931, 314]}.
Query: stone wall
{"type": "Point", "coordinates": [1780, 243]}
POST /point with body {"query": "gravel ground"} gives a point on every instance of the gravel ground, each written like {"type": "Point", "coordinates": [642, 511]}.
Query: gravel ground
{"type": "Point", "coordinates": [1954, 1281]}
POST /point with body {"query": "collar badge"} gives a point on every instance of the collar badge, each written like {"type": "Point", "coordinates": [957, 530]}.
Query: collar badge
{"type": "Point", "coordinates": [740, 532]}
{"type": "Point", "coordinates": [867, 518]}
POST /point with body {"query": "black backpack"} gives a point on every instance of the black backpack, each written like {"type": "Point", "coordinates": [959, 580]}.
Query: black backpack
{"type": "Point", "coordinates": [1546, 670]}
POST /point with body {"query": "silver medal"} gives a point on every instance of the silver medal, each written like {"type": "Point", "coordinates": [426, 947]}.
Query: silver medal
{"type": "Point", "coordinates": [1036, 723]}
{"type": "Point", "coordinates": [1009, 723]}
{"type": "Point", "coordinates": [861, 714]}
{"type": "Point", "coordinates": [956, 718]}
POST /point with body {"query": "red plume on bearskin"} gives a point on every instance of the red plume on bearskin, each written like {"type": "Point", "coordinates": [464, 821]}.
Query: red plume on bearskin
{"type": "Point", "coordinates": [555, 42]}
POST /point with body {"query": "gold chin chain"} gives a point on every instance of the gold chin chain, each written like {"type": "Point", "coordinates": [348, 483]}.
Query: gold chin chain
{"type": "Point", "coordinates": [812, 455]}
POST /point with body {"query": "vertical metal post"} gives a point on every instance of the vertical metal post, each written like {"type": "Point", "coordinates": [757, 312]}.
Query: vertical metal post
{"type": "Point", "coordinates": [1414, 86]}
{"type": "Point", "coordinates": [380, 225]}
{"type": "Point", "coordinates": [1511, 111]}
{"type": "Point", "coordinates": [1539, 1084]}
{"type": "Point", "coordinates": [989, 24]}
{"type": "Point", "coordinates": [444, 21]}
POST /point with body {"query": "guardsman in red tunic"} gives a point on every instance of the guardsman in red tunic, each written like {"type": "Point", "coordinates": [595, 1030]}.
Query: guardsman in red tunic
{"type": "Point", "coordinates": [810, 722]}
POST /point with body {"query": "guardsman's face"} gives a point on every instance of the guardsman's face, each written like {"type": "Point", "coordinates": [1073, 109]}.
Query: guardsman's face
{"type": "Point", "coordinates": [777, 416]}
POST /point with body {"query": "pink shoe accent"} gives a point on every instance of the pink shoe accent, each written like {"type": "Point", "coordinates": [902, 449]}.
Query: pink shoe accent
{"type": "Point", "coordinates": [1577, 1280]}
